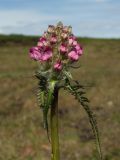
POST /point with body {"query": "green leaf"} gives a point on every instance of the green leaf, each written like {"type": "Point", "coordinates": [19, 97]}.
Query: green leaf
{"type": "Point", "coordinates": [49, 98]}
{"type": "Point", "coordinates": [45, 98]}
{"type": "Point", "coordinates": [75, 91]}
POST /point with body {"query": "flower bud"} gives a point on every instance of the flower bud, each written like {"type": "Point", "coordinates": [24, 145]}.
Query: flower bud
{"type": "Point", "coordinates": [64, 35]}
{"type": "Point", "coordinates": [50, 29]}
{"type": "Point", "coordinates": [70, 29]}
{"type": "Point", "coordinates": [60, 25]}
{"type": "Point", "coordinates": [65, 29]}
{"type": "Point", "coordinates": [45, 35]}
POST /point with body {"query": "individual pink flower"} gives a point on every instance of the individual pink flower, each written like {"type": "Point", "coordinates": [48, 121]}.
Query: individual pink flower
{"type": "Point", "coordinates": [71, 40]}
{"type": "Point", "coordinates": [79, 49]}
{"type": "Point", "coordinates": [63, 49]}
{"type": "Point", "coordinates": [43, 39]}
{"type": "Point", "coordinates": [53, 39]}
{"type": "Point", "coordinates": [34, 53]}
{"type": "Point", "coordinates": [46, 54]}
{"type": "Point", "coordinates": [73, 55]}
{"type": "Point", "coordinates": [58, 66]}
{"type": "Point", "coordinates": [74, 43]}
{"type": "Point", "coordinates": [42, 42]}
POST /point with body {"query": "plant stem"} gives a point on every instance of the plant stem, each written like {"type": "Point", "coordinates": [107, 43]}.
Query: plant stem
{"type": "Point", "coordinates": [54, 127]}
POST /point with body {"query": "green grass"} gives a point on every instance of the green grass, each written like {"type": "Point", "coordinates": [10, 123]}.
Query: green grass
{"type": "Point", "coordinates": [22, 136]}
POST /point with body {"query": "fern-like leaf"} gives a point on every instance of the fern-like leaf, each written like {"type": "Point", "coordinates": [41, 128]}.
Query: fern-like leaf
{"type": "Point", "coordinates": [77, 91]}
{"type": "Point", "coordinates": [49, 98]}
{"type": "Point", "coordinates": [44, 100]}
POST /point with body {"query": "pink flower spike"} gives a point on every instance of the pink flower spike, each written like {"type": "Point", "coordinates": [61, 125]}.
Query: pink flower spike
{"type": "Point", "coordinates": [63, 49]}
{"type": "Point", "coordinates": [34, 53]}
{"type": "Point", "coordinates": [73, 55]}
{"type": "Point", "coordinates": [58, 66]}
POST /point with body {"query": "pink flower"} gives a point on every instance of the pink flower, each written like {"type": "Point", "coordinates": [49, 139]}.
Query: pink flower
{"type": "Point", "coordinates": [57, 42]}
{"type": "Point", "coordinates": [53, 39]}
{"type": "Point", "coordinates": [63, 48]}
{"type": "Point", "coordinates": [75, 43]}
{"type": "Point", "coordinates": [41, 54]}
{"type": "Point", "coordinates": [34, 53]}
{"type": "Point", "coordinates": [46, 54]}
{"type": "Point", "coordinates": [42, 39]}
{"type": "Point", "coordinates": [79, 49]}
{"type": "Point", "coordinates": [73, 55]}
{"type": "Point", "coordinates": [42, 42]}
{"type": "Point", "coordinates": [58, 66]}
{"type": "Point", "coordinates": [71, 40]}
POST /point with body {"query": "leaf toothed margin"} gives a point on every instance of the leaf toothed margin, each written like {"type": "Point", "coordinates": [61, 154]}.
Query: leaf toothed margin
{"type": "Point", "coordinates": [77, 91]}
{"type": "Point", "coordinates": [44, 96]}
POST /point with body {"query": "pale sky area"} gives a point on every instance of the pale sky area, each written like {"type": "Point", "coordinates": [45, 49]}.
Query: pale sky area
{"type": "Point", "coordinates": [89, 18]}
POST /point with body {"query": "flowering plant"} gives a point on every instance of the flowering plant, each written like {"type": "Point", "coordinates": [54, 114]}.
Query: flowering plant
{"type": "Point", "coordinates": [56, 52]}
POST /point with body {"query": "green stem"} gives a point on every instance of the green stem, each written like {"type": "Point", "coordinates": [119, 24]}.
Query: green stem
{"type": "Point", "coordinates": [54, 127]}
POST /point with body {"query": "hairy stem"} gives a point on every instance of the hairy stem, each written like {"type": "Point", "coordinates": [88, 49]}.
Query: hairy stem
{"type": "Point", "coordinates": [54, 127]}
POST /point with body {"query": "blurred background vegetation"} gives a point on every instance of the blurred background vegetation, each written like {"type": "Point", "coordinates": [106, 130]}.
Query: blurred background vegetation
{"type": "Point", "coordinates": [22, 136]}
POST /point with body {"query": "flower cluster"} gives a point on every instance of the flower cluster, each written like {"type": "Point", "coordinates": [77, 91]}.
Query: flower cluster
{"type": "Point", "coordinates": [58, 46]}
